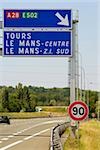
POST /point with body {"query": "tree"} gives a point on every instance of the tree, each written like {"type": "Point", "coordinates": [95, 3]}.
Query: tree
{"type": "Point", "coordinates": [14, 104]}
{"type": "Point", "coordinates": [26, 99]}
{"type": "Point", "coordinates": [93, 98]}
{"type": "Point", "coordinates": [98, 107]}
{"type": "Point", "coordinates": [52, 102]}
{"type": "Point", "coordinates": [5, 99]}
{"type": "Point", "coordinates": [33, 102]}
{"type": "Point", "coordinates": [19, 93]}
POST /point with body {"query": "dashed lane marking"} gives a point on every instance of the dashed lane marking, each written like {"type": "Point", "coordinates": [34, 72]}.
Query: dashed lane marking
{"type": "Point", "coordinates": [43, 123]}
{"type": "Point", "coordinates": [4, 139]}
{"type": "Point", "coordinates": [26, 129]}
{"type": "Point", "coordinates": [10, 136]}
{"type": "Point", "coordinates": [18, 142]}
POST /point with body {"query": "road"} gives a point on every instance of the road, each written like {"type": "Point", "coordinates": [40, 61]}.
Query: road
{"type": "Point", "coordinates": [27, 134]}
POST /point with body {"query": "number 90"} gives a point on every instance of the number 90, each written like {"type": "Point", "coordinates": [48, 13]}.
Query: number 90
{"type": "Point", "coordinates": [78, 111]}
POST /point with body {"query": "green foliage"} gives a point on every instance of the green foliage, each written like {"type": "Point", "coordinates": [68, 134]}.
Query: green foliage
{"type": "Point", "coordinates": [87, 137]}
{"type": "Point", "coordinates": [52, 102]}
{"type": "Point", "coordinates": [5, 99]}
{"type": "Point", "coordinates": [26, 98]}
{"type": "Point", "coordinates": [98, 106]}
{"type": "Point", "coordinates": [33, 102]}
{"type": "Point", "coordinates": [19, 91]}
{"type": "Point", "coordinates": [14, 104]}
{"type": "Point", "coordinates": [93, 98]}
{"type": "Point", "coordinates": [1, 108]}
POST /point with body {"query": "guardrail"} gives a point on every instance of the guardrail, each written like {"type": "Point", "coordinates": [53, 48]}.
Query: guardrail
{"type": "Point", "coordinates": [56, 132]}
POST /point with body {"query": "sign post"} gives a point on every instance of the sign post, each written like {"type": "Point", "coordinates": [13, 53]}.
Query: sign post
{"type": "Point", "coordinates": [77, 111]}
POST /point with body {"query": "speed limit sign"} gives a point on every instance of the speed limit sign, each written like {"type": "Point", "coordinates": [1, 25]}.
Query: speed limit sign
{"type": "Point", "coordinates": [78, 110]}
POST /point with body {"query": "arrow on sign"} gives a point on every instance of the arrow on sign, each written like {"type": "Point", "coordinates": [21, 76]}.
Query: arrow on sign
{"type": "Point", "coordinates": [64, 21]}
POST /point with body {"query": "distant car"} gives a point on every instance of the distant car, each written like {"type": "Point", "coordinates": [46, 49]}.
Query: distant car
{"type": "Point", "coordinates": [4, 119]}
{"type": "Point", "coordinates": [38, 109]}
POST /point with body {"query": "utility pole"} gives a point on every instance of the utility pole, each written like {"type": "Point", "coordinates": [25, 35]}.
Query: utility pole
{"type": "Point", "coordinates": [98, 111]}
{"type": "Point", "coordinates": [84, 81]}
{"type": "Point", "coordinates": [73, 66]}
{"type": "Point", "coordinates": [74, 71]}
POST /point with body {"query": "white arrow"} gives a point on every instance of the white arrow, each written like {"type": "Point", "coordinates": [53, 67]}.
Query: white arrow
{"type": "Point", "coordinates": [64, 21]}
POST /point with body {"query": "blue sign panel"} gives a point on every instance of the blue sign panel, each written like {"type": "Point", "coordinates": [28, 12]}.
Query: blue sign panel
{"type": "Point", "coordinates": [37, 18]}
{"type": "Point", "coordinates": [26, 43]}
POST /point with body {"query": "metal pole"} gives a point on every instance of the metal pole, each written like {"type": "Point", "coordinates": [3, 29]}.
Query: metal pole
{"type": "Point", "coordinates": [98, 114]}
{"type": "Point", "coordinates": [77, 75]}
{"type": "Point", "coordinates": [72, 63]}
{"type": "Point", "coordinates": [88, 95]}
{"type": "Point", "coordinates": [73, 70]}
{"type": "Point", "coordinates": [77, 61]}
{"type": "Point", "coordinates": [84, 82]}
{"type": "Point", "coordinates": [81, 73]}
{"type": "Point", "coordinates": [88, 101]}
{"type": "Point", "coordinates": [81, 78]}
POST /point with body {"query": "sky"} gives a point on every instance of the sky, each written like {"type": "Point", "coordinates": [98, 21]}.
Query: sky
{"type": "Point", "coordinates": [53, 71]}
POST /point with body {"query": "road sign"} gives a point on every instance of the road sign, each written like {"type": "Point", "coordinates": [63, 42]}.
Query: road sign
{"type": "Point", "coordinates": [28, 43]}
{"type": "Point", "coordinates": [37, 18]}
{"type": "Point", "coordinates": [78, 110]}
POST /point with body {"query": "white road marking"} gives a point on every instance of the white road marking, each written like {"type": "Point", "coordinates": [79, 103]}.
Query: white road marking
{"type": "Point", "coordinates": [27, 138]}
{"type": "Point", "coordinates": [18, 142]}
{"type": "Point", "coordinates": [43, 123]}
{"type": "Point", "coordinates": [19, 132]}
{"type": "Point", "coordinates": [10, 136]}
{"type": "Point", "coordinates": [15, 133]}
{"type": "Point", "coordinates": [26, 129]}
{"type": "Point", "coordinates": [4, 139]}
{"type": "Point", "coordinates": [11, 145]}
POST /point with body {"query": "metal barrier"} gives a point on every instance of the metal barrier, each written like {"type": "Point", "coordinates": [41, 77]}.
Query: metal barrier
{"type": "Point", "coordinates": [56, 132]}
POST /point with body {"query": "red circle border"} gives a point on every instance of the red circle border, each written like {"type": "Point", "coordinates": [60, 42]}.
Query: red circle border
{"type": "Point", "coordinates": [81, 103]}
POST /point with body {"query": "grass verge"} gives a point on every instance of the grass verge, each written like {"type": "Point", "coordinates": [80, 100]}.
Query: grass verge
{"type": "Point", "coordinates": [28, 115]}
{"type": "Point", "coordinates": [25, 115]}
{"type": "Point", "coordinates": [52, 111]}
{"type": "Point", "coordinates": [89, 137]}
{"type": "Point", "coordinates": [59, 109]}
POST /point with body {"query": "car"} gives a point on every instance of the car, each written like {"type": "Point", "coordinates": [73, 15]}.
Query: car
{"type": "Point", "coordinates": [4, 119]}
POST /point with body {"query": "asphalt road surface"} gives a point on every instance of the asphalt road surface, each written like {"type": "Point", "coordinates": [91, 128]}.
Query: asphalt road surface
{"type": "Point", "coordinates": [27, 134]}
